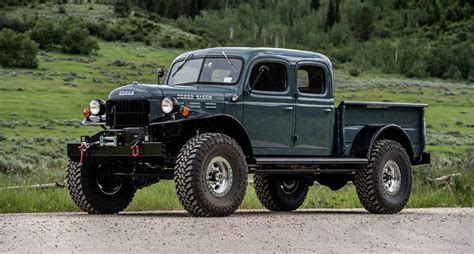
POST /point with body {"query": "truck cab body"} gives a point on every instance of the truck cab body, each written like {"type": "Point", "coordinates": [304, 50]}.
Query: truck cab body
{"type": "Point", "coordinates": [272, 109]}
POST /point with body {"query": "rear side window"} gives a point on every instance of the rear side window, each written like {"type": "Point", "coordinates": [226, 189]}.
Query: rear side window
{"type": "Point", "coordinates": [274, 81]}
{"type": "Point", "coordinates": [311, 79]}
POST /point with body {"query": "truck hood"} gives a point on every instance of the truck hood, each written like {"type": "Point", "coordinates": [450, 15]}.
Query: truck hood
{"type": "Point", "coordinates": [190, 92]}
{"type": "Point", "coordinates": [202, 98]}
{"type": "Point", "coordinates": [136, 92]}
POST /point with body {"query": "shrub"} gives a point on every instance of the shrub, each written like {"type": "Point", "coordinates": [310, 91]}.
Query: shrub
{"type": "Point", "coordinates": [123, 8]}
{"type": "Point", "coordinates": [15, 23]}
{"type": "Point", "coordinates": [61, 10]}
{"type": "Point", "coordinates": [17, 50]}
{"type": "Point", "coordinates": [93, 27]}
{"type": "Point", "coordinates": [178, 42]}
{"type": "Point", "coordinates": [47, 33]}
{"type": "Point", "coordinates": [354, 72]}
{"type": "Point", "coordinates": [14, 166]}
{"type": "Point", "coordinates": [77, 40]}
{"type": "Point", "coordinates": [109, 32]}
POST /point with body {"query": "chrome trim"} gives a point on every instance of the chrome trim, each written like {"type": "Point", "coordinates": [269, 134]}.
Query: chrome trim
{"type": "Point", "coordinates": [94, 121]}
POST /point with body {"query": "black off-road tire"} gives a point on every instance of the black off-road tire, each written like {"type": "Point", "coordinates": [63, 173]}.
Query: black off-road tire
{"type": "Point", "coordinates": [190, 175]}
{"type": "Point", "coordinates": [271, 194]}
{"type": "Point", "coordinates": [369, 182]}
{"type": "Point", "coordinates": [86, 194]}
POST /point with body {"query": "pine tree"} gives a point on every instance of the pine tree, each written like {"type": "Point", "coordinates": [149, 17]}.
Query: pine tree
{"type": "Point", "coordinates": [330, 20]}
{"type": "Point", "coordinates": [193, 8]}
{"type": "Point", "coordinates": [315, 4]}
{"type": "Point", "coordinates": [399, 4]}
{"type": "Point", "coordinates": [363, 26]}
{"type": "Point", "coordinates": [337, 12]}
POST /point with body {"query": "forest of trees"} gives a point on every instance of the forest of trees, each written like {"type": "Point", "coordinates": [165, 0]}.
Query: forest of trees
{"type": "Point", "coordinates": [417, 38]}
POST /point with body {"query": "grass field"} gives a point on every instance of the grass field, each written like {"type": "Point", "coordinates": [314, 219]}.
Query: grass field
{"type": "Point", "coordinates": [40, 111]}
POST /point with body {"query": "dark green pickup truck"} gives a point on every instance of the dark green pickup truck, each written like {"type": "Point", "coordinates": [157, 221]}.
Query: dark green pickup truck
{"type": "Point", "coordinates": [226, 112]}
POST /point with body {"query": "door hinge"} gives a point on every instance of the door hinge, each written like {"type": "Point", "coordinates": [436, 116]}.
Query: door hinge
{"type": "Point", "coordinates": [295, 137]}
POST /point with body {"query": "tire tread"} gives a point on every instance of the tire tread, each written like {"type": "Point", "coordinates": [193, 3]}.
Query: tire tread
{"type": "Point", "coordinates": [365, 179]}
{"type": "Point", "coordinates": [190, 159]}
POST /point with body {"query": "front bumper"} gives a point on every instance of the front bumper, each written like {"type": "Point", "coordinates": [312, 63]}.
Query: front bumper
{"type": "Point", "coordinates": [129, 143]}
{"type": "Point", "coordinates": [149, 150]}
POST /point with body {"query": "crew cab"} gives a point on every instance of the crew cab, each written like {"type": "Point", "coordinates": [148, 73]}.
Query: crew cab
{"type": "Point", "coordinates": [225, 113]}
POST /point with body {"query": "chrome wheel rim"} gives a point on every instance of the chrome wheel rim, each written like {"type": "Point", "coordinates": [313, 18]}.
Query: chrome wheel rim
{"type": "Point", "coordinates": [219, 176]}
{"type": "Point", "coordinates": [391, 177]}
{"type": "Point", "coordinates": [289, 186]}
{"type": "Point", "coordinates": [106, 182]}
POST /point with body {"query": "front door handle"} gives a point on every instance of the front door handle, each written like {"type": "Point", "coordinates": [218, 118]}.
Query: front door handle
{"type": "Point", "coordinates": [289, 108]}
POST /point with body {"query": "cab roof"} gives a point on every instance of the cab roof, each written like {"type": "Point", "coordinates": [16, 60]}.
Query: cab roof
{"type": "Point", "coordinates": [249, 53]}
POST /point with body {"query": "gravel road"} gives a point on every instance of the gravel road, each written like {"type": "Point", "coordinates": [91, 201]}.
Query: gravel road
{"type": "Point", "coordinates": [321, 230]}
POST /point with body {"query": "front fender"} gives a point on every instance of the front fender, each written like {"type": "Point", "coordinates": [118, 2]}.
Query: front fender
{"type": "Point", "coordinates": [222, 123]}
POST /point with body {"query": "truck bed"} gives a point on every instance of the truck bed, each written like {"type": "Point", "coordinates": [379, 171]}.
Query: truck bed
{"type": "Point", "coordinates": [352, 116]}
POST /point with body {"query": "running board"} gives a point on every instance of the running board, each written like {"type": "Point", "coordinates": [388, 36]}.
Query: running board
{"type": "Point", "coordinates": [282, 171]}
{"type": "Point", "coordinates": [310, 161]}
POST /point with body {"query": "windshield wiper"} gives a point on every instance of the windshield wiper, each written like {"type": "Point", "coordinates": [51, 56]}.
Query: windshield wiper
{"type": "Point", "coordinates": [231, 65]}
{"type": "Point", "coordinates": [182, 65]}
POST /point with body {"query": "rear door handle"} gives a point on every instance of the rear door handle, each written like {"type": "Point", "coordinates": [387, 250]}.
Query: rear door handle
{"type": "Point", "coordinates": [289, 108]}
{"type": "Point", "coordinates": [327, 110]}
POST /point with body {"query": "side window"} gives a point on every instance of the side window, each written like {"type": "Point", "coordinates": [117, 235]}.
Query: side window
{"type": "Point", "coordinates": [311, 79]}
{"type": "Point", "coordinates": [275, 80]}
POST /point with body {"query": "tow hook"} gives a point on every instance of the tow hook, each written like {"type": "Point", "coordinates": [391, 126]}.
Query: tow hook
{"type": "Point", "coordinates": [84, 147]}
{"type": "Point", "coordinates": [136, 149]}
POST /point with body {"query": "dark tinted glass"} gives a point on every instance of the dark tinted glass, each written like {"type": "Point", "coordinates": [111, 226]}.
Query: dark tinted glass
{"type": "Point", "coordinates": [311, 79]}
{"type": "Point", "coordinates": [275, 80]}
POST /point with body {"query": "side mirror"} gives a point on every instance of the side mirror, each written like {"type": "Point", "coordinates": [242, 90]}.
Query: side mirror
{"type": "Point", "coordinates": [264, 69]}
{"type": "Point", "coordinates": [160, 72]}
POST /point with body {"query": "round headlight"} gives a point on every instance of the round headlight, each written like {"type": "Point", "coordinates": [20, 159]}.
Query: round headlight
{"type": "Point", "coordinates": [167, 105]}
{"type": "Point", "coordinates": [97, 107]}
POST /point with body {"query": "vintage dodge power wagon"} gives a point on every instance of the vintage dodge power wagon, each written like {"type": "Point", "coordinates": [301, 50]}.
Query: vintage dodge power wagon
{"type": "Point", "coordinates": [224, 113]}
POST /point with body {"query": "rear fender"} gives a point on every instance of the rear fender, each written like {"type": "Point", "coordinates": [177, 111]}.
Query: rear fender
{"type": "Point", "coordinates": [367, 136]}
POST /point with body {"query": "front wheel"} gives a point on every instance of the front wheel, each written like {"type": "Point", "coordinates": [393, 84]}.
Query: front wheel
{"type": "Point", "coordinates": [211, 175]}
{"type": "Point", "coordinates": [95, 190]}
{"type": "Point", "coordinates": [280, 193]}
{"type": "Point", "coordinates": [384, 186]}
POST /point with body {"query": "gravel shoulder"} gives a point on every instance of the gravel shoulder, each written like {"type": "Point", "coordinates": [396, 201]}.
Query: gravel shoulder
{"type": "Point", "coordinates": [436, 230]}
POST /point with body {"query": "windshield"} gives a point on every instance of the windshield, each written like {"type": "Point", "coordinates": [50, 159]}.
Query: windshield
{"type": "Point", "coordinates": [219, 70]}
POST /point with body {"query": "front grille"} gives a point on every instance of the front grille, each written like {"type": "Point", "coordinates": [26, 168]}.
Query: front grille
{"type": "Point", "coordinates": [127, 113]}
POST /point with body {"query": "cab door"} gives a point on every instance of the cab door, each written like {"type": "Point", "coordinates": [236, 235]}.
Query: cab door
{"type": "Point", "coordinates": [315, 111]}
{"type": "Point", "coordinates": [269, 110]}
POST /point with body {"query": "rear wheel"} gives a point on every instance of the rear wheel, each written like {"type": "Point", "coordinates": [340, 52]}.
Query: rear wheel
{"type": "Point", "coordinates": [280, 193]}
{"type": "Point", "coordinates": [95, 190]}
{"type": "Point", "coordinates": [384, 186]}
{"type": "Point", "coordinates": [211, 175]}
